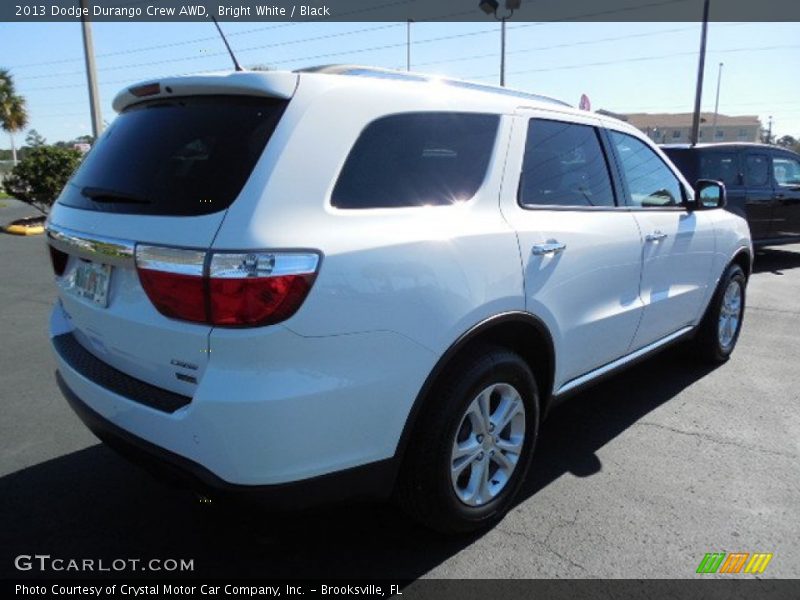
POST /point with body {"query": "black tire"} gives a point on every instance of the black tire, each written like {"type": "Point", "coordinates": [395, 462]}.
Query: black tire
{"type": "Point", "coordinates": [425, 489]}
{"type": "Point", "coordinates": [706, 343]}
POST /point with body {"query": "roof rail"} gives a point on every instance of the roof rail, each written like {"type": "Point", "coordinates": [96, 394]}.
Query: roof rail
{"type": "Point", "coordinates": [380, 73]}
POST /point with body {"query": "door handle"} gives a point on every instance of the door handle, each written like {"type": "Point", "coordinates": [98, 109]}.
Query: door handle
{"type": "Point", "coordinates": [551, 247]}
{"type": "Point", "coordinates": [656, 236]}
{"type": "Point", "coordinates": [779, 197]}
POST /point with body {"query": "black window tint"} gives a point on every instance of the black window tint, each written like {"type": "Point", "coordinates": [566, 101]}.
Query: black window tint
{"type": "Point", "coordinates": [417, 159]}
{"type": "Point", "coordinates": [183, 156]}
{"type": "Point", "coordinates": [564, 165]}
{"type": "Point", "coordinates": [721, 166]}
{"type": "Point", "coordinates": [757, 169]}
{"type": "Point", "coordinates": [650, 182]}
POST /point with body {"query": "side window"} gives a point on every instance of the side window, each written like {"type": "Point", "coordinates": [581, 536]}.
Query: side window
{"type": "Point", "coordinates": [650, 182]}
{"type": "Point", "coordinates": [757, 171]}
{"type": "Point", "coordinates": [786, 170]}
{"type": "Point", "coordinates": [721, 166]}
{"type": "Point", "coordinates": [417, 159]}
{"type": "Point", "coordinates": [564, 165]}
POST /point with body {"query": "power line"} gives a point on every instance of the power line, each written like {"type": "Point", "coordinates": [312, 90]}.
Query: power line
{"type": "Point", "coordinates": [632, 60]}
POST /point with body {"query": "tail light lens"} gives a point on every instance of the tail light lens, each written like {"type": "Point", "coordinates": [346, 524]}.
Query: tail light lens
{"type": "Point", "coordinates": [235, 289]}
{"type": "Point", "coordinates": [59, 260]}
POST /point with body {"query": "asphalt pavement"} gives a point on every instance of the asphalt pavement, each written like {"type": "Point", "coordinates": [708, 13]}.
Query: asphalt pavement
{"type": "Point", "coordinates": [638, 477]}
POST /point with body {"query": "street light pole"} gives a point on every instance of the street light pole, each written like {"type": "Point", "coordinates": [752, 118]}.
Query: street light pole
{"type": "Point", "coordinates": [700, 70]}
{"type": "Point", "coordinates": [91, 73]}
{"type": "Point", "coordinates": [716, 104]}
{"type": "Point", "coordinates": [490, 8]}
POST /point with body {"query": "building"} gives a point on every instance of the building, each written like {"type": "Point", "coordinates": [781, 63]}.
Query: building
{"type": "Point", "coordinates": [677, 128]}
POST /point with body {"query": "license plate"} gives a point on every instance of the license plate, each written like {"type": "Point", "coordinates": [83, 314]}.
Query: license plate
{"type": "Point", "coordinates": [90, 281]}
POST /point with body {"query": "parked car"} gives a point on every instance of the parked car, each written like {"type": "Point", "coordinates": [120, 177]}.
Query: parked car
{"type": "Point", "coordinates": [762, 184]}
{"type": "Point", "coordinates": [351, 282]}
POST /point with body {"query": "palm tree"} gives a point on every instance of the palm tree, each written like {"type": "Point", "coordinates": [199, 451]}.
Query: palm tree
{"type": "Point", "coordinates": [13, 112]}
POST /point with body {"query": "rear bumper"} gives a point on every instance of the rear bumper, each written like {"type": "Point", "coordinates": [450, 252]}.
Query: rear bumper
{"type": "Point", "coordinates": [273, 412]}
{"type": "Point", "coordinates": [374, 480]}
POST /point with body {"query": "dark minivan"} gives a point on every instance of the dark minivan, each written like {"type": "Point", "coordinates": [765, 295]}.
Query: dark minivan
{"type": "Point", "coordinates": [762, 182]}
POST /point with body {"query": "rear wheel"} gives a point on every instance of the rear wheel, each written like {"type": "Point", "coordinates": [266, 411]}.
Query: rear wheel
{"type": "Point", "coordinates": [472, 448]}
{"type": "Point", "coordinates": [719, 331]}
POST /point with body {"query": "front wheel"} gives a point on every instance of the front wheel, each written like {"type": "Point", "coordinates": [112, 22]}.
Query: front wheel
{"type": "Point", "coordinates": [471, 450]}
{"type": "Point", "coordinates": [719, 331]}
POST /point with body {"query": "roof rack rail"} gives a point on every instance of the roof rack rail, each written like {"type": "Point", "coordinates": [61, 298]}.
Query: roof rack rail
{"type": "Point", "coordinates": [381, 73]}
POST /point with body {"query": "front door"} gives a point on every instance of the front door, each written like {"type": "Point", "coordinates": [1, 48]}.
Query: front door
{"type": "Point", "coordinates": [678, 248]}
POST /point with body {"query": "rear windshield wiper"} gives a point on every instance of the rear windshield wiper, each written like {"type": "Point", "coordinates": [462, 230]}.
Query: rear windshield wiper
{"type": "Point", "coordinates": [106, 195]}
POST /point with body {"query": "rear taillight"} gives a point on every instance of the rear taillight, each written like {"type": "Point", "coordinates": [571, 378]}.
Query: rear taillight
{"type": "Point", "coordinates": [59, 260]}
{"type": "Point", "coordinates": [232, 289]}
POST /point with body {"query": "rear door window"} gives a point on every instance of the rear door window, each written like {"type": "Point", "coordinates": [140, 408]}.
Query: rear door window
{"type": "Point", "coordinates": [757, 170]}
{"type": "Point", "coordinates": [564, 165]}
{"type": "Point", "coordinates": [182, 156]}
{"type": "Point", "coordinates": [417, 159]}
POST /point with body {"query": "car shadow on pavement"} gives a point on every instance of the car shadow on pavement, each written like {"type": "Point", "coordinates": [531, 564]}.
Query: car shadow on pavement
{"type": "Point", "coordinates": [775, 261]}
{"type": "Point", "coordinates": [92, 504]}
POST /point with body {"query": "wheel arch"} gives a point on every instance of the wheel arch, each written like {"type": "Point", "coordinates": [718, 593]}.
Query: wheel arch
{"type": "Point", "coordinates": [743, 258]}
{"type": "Point", "coordinates": [521, 332]}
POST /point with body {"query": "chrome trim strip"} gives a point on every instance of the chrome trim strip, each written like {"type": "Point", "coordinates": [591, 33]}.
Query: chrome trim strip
{"type": "Point", "coordinates": [583, 379]}
{"type": "Point", "coordinates": [106, 250]}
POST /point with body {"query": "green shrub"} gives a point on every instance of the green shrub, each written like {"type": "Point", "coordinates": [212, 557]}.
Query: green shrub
{"type": "Point", "coordinates": [39, 177]}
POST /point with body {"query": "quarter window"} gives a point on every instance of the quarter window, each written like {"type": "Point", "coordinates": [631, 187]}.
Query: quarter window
{"type": "Point", "coordinates": [564, 165]}
{"type": "Point", "coordinates": [721, 166]}
{"type": "Point", "coordinates": [417, 159]}
{"type": "Point", "coordinates": [650, 182]}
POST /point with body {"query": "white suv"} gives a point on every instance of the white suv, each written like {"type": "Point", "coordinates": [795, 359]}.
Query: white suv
{"type": "Point", "coordinates": [350, 282]}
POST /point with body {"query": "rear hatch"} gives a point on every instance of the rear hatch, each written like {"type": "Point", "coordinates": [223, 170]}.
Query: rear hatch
{"type": "Point", "coordinates": [129, 233]}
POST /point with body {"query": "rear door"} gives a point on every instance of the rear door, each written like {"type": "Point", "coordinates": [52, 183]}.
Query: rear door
{"type": "Point", "coordinates": [162, 175]}
{"type": "Point", "coordinates": [786, 213]}
{"type": "Point", "coordinates": [679, 244]}
{"type": "Point", "coordinates": [581, 254]}
{"type": "Point", "coordinates": [758, 187]}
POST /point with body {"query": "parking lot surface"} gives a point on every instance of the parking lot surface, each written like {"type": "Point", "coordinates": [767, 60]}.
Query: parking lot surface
{"type": "Point", "coordinates": [638, 477]}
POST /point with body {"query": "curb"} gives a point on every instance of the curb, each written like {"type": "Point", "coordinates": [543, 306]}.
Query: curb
{"type": "Point", "coordinates": [26, 226]}
{"type": "Point", "coordinates": [24, 229]}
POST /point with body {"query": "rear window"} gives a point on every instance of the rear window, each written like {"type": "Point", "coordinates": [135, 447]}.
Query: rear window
{"type": "Point", "coordinates": [417, 159]}
{"type": "Point", "coordinates": [183, 156]}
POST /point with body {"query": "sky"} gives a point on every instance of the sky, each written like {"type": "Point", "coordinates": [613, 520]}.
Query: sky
{"type": "Point", "coordinates": [623, 67]}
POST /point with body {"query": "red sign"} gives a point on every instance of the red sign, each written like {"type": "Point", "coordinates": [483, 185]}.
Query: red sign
{"type": "Point", "coordinates": [585, 103]}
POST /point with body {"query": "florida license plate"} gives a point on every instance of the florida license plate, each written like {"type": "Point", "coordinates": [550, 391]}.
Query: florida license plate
{"type": "Point", "coordinates": [90, 281]}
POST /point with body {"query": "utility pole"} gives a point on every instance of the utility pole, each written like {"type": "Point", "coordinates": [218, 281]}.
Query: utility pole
{"type": "Point", "coordinates": [503, 51]}
{"type": "Point", "coordinates": [716, 104]}
{"type": "Point", "coordinates": [700, 70]}
{"type": "Point", "coordinates": [769, 131]}
{"type": "Point", "coordinates": [91, 73]}
{"type": "Point", "coordinates": [408, 44]}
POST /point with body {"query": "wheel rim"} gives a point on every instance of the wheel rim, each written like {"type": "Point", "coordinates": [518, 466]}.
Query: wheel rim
{"type": "Point", "coordinates": [730, 314]}
{"type": "Point", "coordinates": [488, 444]}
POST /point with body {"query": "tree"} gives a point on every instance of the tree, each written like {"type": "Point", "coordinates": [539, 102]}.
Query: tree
{"type": "Point", "coordinates": [39, 177]}
{"type": "Point", "coordinates": [34, 139]}
{"type": "Point", "coordinates": [13, 111]}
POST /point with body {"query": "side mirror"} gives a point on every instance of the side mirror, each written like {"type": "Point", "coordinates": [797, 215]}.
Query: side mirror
{"type": "Point", "coordinates": [709, 194]}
